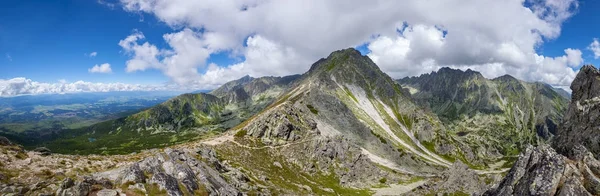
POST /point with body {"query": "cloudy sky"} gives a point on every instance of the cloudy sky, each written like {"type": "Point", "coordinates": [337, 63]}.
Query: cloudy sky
{"type": "Point", "coordinates": [113, 45]}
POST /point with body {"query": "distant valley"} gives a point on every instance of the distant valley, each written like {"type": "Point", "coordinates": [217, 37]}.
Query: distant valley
{"type": "Point", "coordinates": [32, 116]}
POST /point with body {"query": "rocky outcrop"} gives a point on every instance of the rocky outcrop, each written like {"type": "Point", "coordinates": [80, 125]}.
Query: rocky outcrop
{"type": "Point", "coordinates": [43, 151]}
{"type": "Point", "coordinates": [580, 125]}
{"type": "Point", "coordinates": [459, 178]}
{"type": "Point", "coordinates": [5, 142]}
{"type": "Point", "coordinates": [281, 124]}
{"type": "Point", "coordinates": [172, 172]}
{"type": "Point", "coordinates": [542, 171]}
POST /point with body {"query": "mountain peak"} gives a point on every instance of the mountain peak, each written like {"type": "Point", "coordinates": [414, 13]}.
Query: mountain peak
{"type": "Point", "coordinates": [451, 71]}
{"type": "Point", "coordinates": [342, 59]}
{"type": "Point", "coordinates": [579, 126]}
{"type": "Point", "coordinates": [347, 51]}
{"type": "Point", "coordinates": [505, 78]}
{"type": "Point", "coordinates": [586, 84]}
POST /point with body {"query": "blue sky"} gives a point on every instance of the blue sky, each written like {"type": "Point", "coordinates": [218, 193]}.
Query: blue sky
{"type": "Point", "coordinates": [47, 41]}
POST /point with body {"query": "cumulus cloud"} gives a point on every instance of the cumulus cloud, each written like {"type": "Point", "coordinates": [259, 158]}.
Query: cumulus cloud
{"type": "Point", "coordinates": [103, 68]}
{"type": "Point", "coordinates": [23, 86]}
{"type": "Point", "coordinates": [189, 52]}
{"type": "Point", "coordinates": [574, 58]}
{"type": "Point", "coordinates": [93, 54]}
{"type": "Point", "coordinates": [404, 37]}
{"type": "Point", "coordinates": [595, 48]}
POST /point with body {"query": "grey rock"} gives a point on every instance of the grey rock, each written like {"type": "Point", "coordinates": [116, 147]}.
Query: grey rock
{"type": "Point", "coordinates": [43, 151]}
{"type": "Point", "coordinates": [107, 192]}
{"type": "Point", "coordinates": [67, 183]}
{"type": "Point", "coordinates": [133, 174]}
{"type": "Point", "coordinates": [282, 124]}
{"type": "Point", "coordinates": [572, 187]}
{"type": "Point", "coordinates": [5, 142]}
{"type": "Point", "coordinates": [167, 183]}
{"type": "Point", "coordinates": [580, 123]}
{"type": "Point", "coordinates": [537, 172]}
{"type": "Point", "coordinates": [460, 178]}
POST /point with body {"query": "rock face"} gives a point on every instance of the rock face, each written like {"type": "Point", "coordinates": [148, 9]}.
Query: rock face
{"type": "Point", "coordinates": [542, 171]}
{"type": "Point", "coordinates": [173, 172]}
{"type": "Point", "coordinates": [5, 142]}
{"type": "Point", "coordinates": [580, 125]}
{"type": "Point", "coordinates": [459, 178]}
{"type": "Point", "coordinates": [43, 151]}
{"type": "Point", "coordinates": [575, 171]}
{"type": "Point", "coordinates": [281, 124]}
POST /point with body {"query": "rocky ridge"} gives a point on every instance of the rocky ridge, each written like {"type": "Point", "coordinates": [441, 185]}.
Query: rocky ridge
{"type": "Point", "coordinates": [342, 128]}
{"type": "Point", "coordinates": [487, 118]}
{"type": "Point", "coordinates": [571, 169]}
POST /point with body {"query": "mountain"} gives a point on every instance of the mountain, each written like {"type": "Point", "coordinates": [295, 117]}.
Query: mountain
{"type": "Point", "coordinates": [569, 167]}
{"type": "Point", "coordinates": [580, 124]}
{"type": "Point", "coordinates": [179, 119]}
{"type": "Point", "coordinates": [342, 128]}
{"type": "Point", "coordinates": [500, 115]}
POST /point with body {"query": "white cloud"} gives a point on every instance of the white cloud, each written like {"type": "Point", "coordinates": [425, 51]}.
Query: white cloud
{"type": "Point", "coordinates": [93, 54]}
{"type": "Point", "coordinates": [104, 68]}
{"type": "Point", "coordinates": [8, 57]}
{"type": "Point", "coordinates": [595, 48]}
{"type": "Point", "coordinates": [574, 58]}
{"type": "Point", "coordinates": [23, 86]}
{"type": "Point", "coordinates": [189, 52]}
{"type": "Point", "coordinates": [405, 37]}
{"type": "Point", "coordinates": [110, 5]}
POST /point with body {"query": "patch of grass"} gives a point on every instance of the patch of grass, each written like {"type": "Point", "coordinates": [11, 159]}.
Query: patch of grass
{"type": "Point", "coordinates": [350, 94]}
{"type": "Point", "coordinates": [153, 189]}
{"type": "Point", "coordinates": [457, 193]}
{"type": "Point", "coordinates": [383, 180]}
{"type": "Point", "coordinates": [241, 133]}
{"type": "Point", "coordinates": [331, 64]}
{"type": "Point", "coordinates": [287, 178]}
{"type": "Point", "coordinates": [312, 109]}
{"type": "Point", "coordinates": [379, 136]}
{"type": "Point", "coordinates": [412, 180]}
{"type": "Point", "coordinates": [46, 174]}
{"type": "Point", "coordinates": [21, 155]}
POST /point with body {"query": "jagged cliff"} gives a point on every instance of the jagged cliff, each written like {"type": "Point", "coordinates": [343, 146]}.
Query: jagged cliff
{"type": "Point", "coordinates": [574, 170]}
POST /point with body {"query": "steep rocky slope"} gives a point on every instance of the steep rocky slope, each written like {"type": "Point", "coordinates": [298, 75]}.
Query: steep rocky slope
{"type": "Point", "coordinates": [575, 171]}
{"type": "Point", "coordinates": [494, 117]}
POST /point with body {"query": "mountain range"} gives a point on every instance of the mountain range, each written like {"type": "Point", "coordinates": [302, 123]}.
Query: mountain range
{"type": "Point", "coordinates": [342, 128]}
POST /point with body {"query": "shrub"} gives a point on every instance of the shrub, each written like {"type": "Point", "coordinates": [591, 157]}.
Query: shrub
{"type": "Point", "coordinates": [383, 180]}
{"type": "Point", "coordinates": [241, 133]}
{"type": "Point", "coordinates": [312, 109]}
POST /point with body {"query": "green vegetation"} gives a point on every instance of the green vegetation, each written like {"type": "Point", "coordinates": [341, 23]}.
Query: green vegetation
{"type": "Point", "coordinates": [312, 109]}
{"type": "Point", "coordinates": [288, 177]}
{"type": "Point", "coordinates": [383, 180]}
{"type": "Point", "coordinates": [241, 133]}
{"type": "Point", "coordinates": [350, 94]}
{"type": "Point", "coordinates": [379, 136]}
{"type": "Point", "coordinates": [101, 139]}
{"type": "Point", "coordinates": [154, 189]}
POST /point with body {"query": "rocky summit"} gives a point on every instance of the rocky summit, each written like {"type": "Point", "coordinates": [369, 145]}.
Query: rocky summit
{"type": "Point", "coordinates": [342, 128]}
